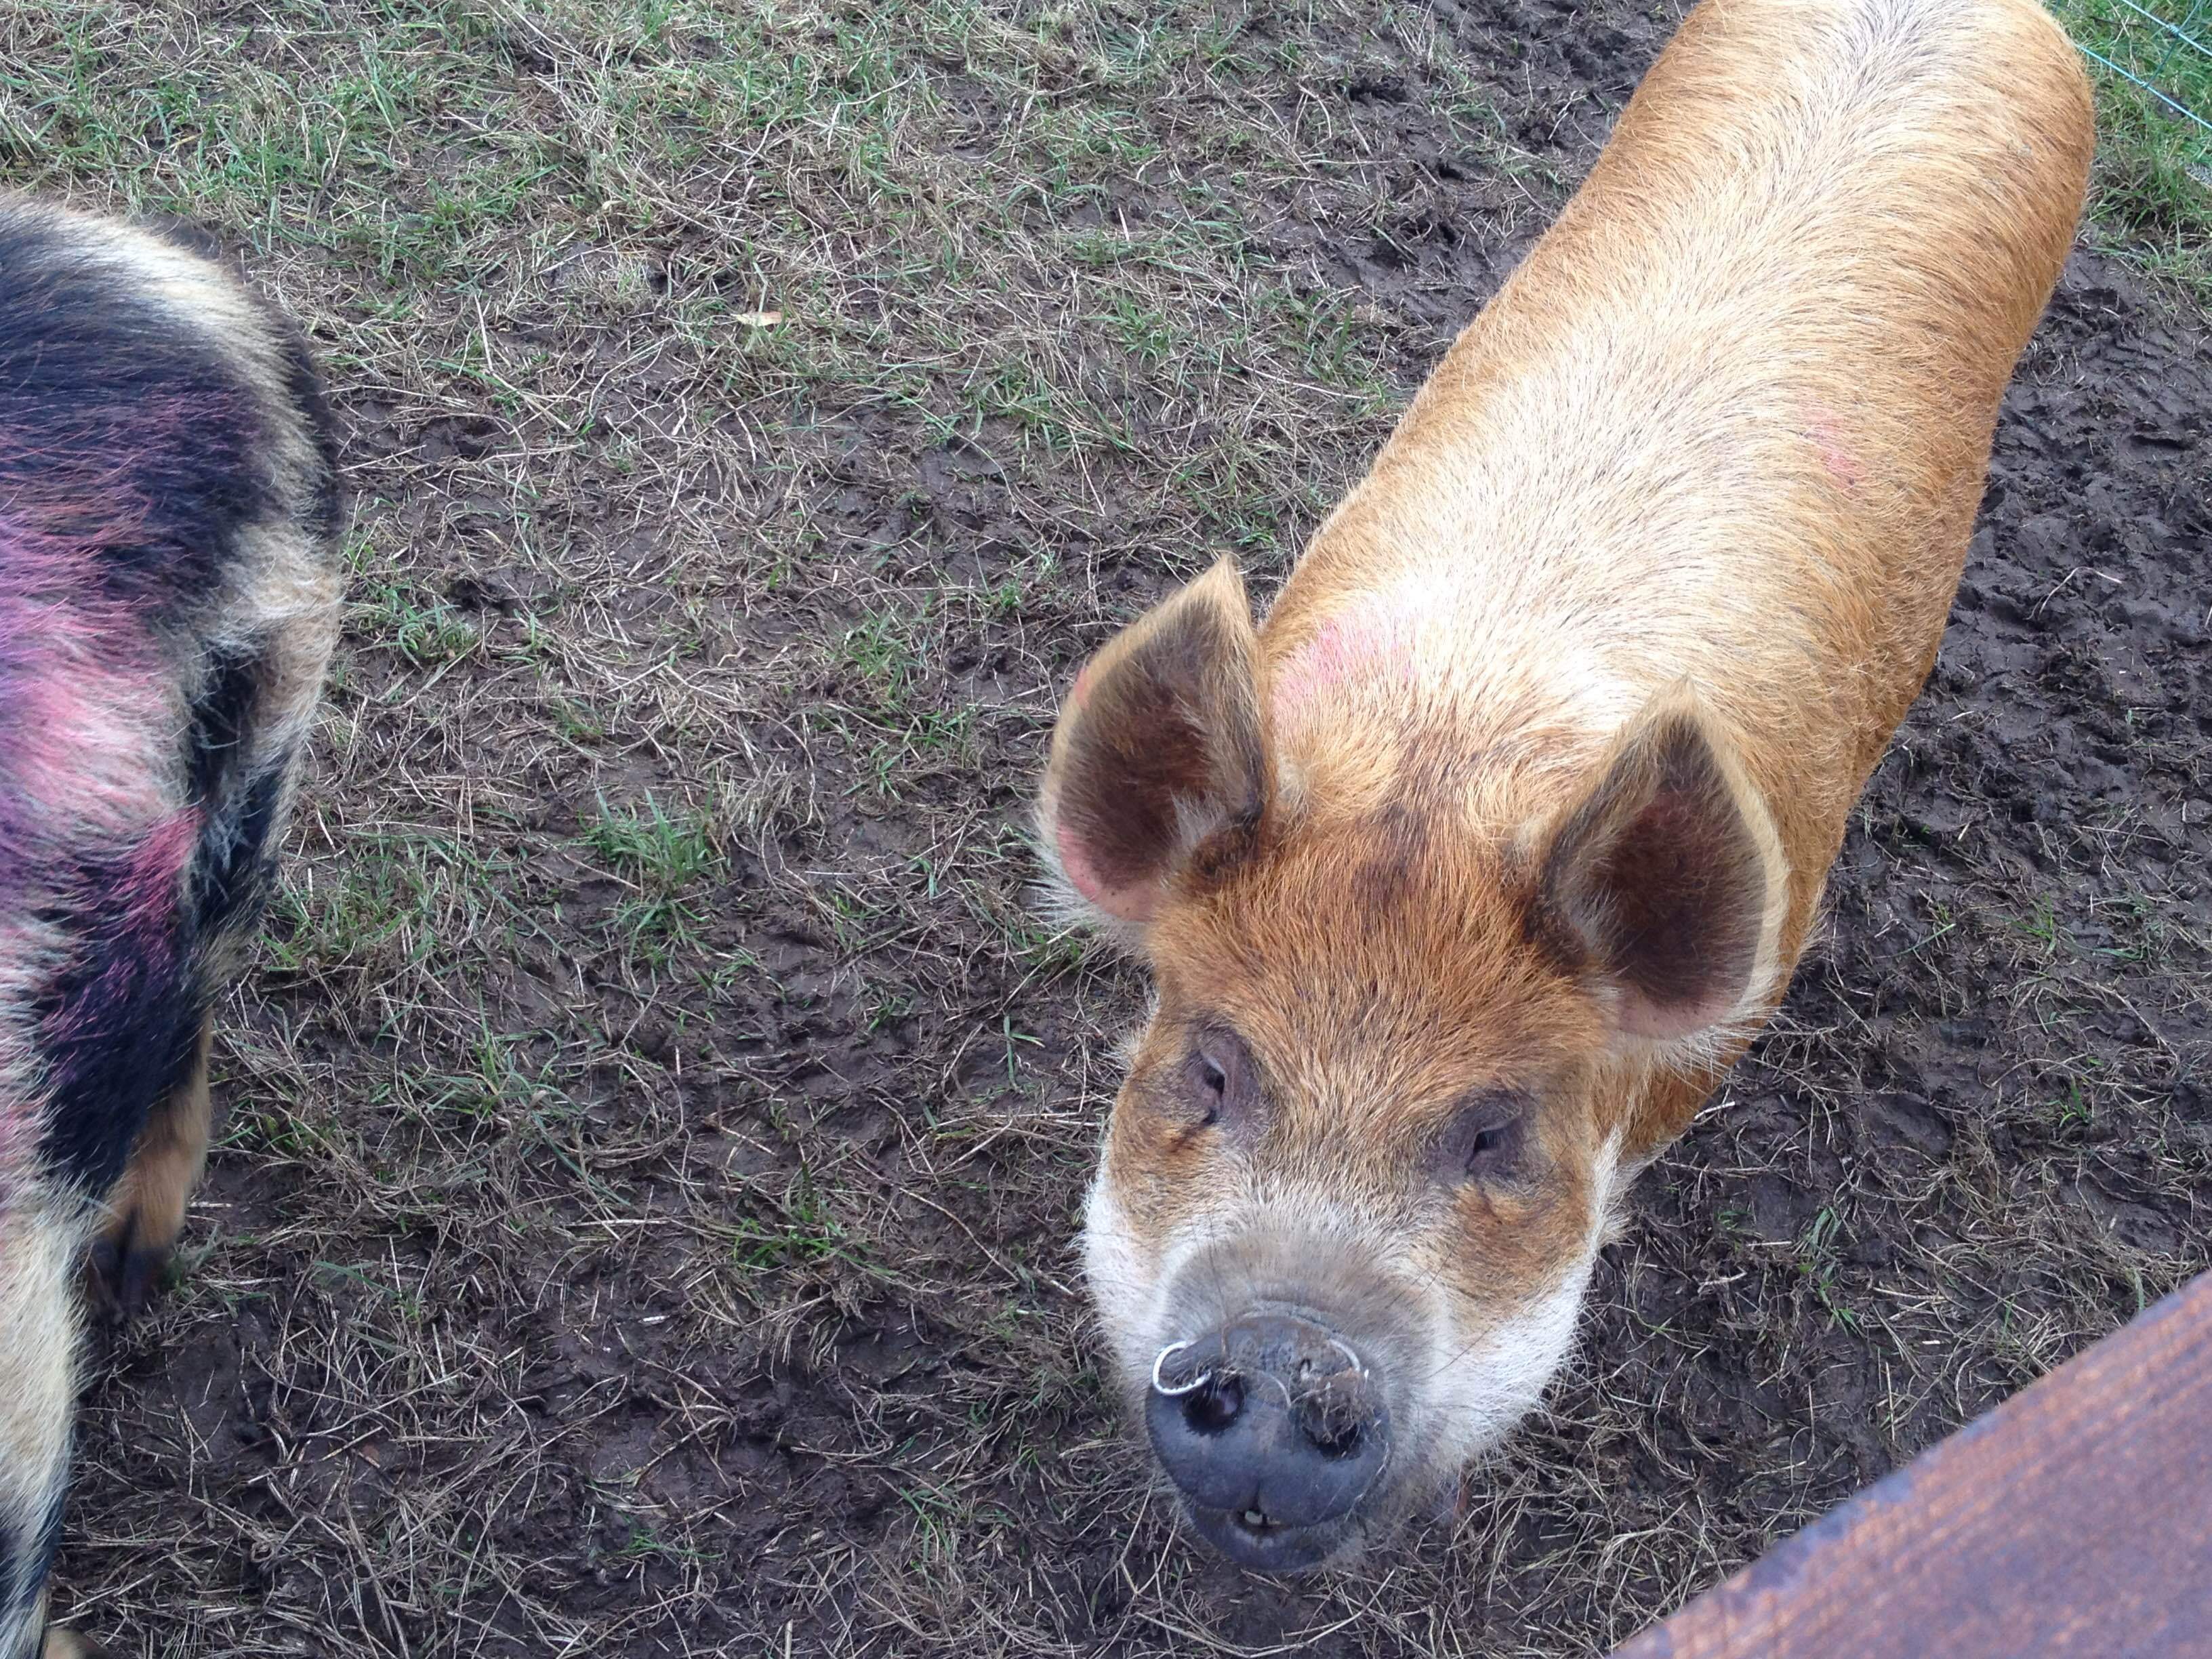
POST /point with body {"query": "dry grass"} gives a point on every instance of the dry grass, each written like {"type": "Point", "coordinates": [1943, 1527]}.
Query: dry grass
{"type": "Point", "coordinates": [658, 1120]}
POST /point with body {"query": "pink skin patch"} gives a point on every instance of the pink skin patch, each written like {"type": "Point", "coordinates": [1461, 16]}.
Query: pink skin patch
{"type": "Point", "coordinates": [1365, 644]}
{"type": "Point", "coordinates": [84, 692]}
{"type": "Point", "coordinates": [1843, 467]}
{"type": "Point", "coordinates": [1128, 903]}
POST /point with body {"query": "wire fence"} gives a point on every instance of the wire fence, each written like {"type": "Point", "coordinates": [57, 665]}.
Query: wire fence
{"type": "Point", "coordinates": [2166, 50]}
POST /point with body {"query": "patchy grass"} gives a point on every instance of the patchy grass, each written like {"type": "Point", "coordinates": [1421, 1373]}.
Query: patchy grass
{"type": "Point", "coordinates": [2154, 184]}
{"type": "Point", "coordinates": [659, 1119]}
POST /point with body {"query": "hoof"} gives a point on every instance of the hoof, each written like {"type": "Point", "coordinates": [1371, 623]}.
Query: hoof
{"type": "Point", "coordinates": [68, 1644]}
{"type": "Point", "coordinates": [123, 1276]}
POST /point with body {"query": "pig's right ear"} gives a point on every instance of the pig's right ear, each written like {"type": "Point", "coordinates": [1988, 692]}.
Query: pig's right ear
{"type": "Point", "coordinates": [1158, 759]}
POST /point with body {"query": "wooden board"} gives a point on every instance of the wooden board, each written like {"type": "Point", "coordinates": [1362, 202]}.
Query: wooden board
{"type": "Point", "coordinates": [2073, 1521]}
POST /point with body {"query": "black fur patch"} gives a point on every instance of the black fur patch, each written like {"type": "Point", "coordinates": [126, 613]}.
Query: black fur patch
{"type": "Point", "coordinates": [120, 1022]}
{"type": "Point", "coordinates": [1398, 836]}
{"type": "Point", "coordinates": [324, 511]}
{"type": "Point", "coordinates": [221, 716]}
{"type": "Point", "coordinates": [236, 863]}
{"type": "Point", "coordinates": [124, 431]}
{"type": "Point", "coordinates": [321, 514]}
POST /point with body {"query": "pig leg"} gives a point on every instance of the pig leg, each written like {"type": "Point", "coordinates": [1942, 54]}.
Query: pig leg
{"type": "Point", "coordinates": [146, 1211]}
{"type": "Point", "coordinates": [40, 1243]}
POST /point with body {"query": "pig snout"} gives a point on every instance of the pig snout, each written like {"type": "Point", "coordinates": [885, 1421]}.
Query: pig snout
{"type": "Point", "coordinates": [1273, 1430]}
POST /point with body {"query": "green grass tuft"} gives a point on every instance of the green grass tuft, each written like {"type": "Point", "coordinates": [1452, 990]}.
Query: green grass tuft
{"type": "Point", "coordinates": [2151, 200]}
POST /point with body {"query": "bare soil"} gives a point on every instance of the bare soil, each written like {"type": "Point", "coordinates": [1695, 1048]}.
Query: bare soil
{"type": "Point", "coordinates": [658, 1122]}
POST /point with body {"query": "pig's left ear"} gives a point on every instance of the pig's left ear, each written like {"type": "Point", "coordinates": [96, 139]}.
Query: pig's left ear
{"type": "Point", "coordinates": [1666, 881]}
{"type": "Point", "coordinates": [1158, 759]}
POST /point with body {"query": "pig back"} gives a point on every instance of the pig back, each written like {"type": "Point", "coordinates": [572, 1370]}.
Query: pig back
{"type": "Point", "coordinates": [1728, 423]}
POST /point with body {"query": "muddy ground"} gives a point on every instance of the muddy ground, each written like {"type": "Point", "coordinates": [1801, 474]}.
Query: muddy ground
{"type": "Point", "coordinates": [658, 1121]}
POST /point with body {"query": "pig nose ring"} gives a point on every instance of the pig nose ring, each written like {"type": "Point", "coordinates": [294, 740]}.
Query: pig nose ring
{"type": "Point", "coordinates": [1358, 1365]}
{"type": "Point", "coordinates": [1162, 1358]}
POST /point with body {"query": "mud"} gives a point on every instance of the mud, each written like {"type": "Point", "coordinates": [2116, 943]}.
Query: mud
{"type": "Point", "coordinates": [756, 1330]}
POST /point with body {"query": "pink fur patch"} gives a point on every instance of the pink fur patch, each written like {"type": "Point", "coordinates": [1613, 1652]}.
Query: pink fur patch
{"type": "Point", "coordinates": [86, 698]}
{"type": "Point", "coordinates": [151, 886]}
{"type": "Point", "coordinates": [151, 889]}
{"type": "Point", "coordinates": [1368, 643]}
{"type": "Point", "coordinates": [1843, 468]}
{"type": "Point", "coordinates": [81, 688]}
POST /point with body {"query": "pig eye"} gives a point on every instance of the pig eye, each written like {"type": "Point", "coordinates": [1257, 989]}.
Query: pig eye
{"type": "Point", "coordinates": [1490, 1148]}
{"type": "Point", "coordinates": [1219, 1079]}
{"type": "Point", "coordinates": [1213, 1080]}
{"type": "Point", "coordinates": [1483, 1141]}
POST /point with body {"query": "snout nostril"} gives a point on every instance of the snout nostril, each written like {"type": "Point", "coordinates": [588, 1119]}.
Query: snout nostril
{"type": "Point", "coordinates": [1216, 1406]}
{"type": "Point", "coordinates": [1335, 1442]}
{"type": "Point", "coordinates": [1331, 1431]}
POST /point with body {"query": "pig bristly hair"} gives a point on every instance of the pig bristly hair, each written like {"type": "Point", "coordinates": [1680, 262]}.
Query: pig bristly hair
{"type": "Point", "coordinates": [168, 598]}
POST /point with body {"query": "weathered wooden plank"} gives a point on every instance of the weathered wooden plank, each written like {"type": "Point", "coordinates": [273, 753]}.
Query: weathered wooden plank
{"type": "Point", "coordinates": [2074, 1520]}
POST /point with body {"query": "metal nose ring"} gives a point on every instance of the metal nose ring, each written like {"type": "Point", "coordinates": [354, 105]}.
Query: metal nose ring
{"type": "Point", "coordinates": [1191, 1387]}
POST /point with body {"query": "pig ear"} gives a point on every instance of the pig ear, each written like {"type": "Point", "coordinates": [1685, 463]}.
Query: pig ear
{"type": "Point", "coordinates": [1666, 881]}
{"type": "Point", "coordinates": [1159, 753]}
